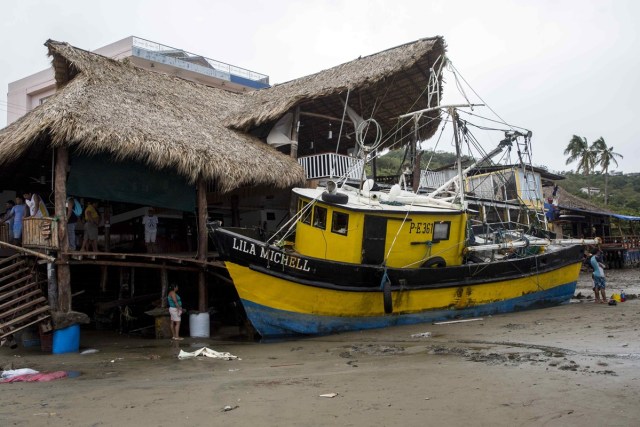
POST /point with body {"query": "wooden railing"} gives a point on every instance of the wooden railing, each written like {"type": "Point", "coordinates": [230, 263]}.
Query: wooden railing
{"type": "Point", "coordinates": [329, 165]}
{"type": "Point", "coordinates": [625, 242]}
{"type": "Point", "coordinates": [40, 233]}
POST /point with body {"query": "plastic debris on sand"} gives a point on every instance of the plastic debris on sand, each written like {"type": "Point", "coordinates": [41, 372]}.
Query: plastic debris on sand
{"type": "Point", "coordinates": [207, 352]}
{"type": "Point", "coordinates": [421, 335]}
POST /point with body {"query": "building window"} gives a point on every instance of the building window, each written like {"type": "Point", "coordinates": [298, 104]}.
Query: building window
{"type": "Point", "coordinates": [319, 217]}
{"type": "Point", "coordinates": [340, 223]}
{"type": "Point", "coordinates": [441, 230]}
{"type": "Point", "coordinates": [43, 99]}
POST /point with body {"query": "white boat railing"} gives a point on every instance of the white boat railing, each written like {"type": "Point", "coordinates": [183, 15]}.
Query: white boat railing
{"type": "Point", "coordinates": [331, 165]}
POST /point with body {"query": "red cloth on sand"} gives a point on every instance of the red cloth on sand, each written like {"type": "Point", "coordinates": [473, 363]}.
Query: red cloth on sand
{"type": "Point", "coordinates": [41, 377]}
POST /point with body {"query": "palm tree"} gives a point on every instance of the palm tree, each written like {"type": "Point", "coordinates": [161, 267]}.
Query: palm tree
{"type": "Point", "coordinates": [579, 150]}
{"type": "Point", "coordinates": [605, 156]}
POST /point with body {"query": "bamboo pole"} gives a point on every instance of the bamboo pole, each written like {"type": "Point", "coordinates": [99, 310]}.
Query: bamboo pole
{"type": "Point", "coordinates": [294, 133]}
{"type": "Point", "coordinates": [60, 189]}
{"type": "Point", "coordinates": [28, 251]}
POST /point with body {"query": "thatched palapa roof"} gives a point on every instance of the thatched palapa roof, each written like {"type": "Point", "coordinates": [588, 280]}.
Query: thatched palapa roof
{"type": "Point", "coordinates": [106, 106]}
{"type": "Point", "coordinates": [115, 108]}
{"type": "Point", "coordinates": [383, 86]}
{"type": "Point", "coordinates": [567, 200]}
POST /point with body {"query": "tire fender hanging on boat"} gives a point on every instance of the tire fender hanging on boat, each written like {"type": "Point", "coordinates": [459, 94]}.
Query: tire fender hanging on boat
{"type": "Point", "coordinates": [387, 299]}
{"type": "Point", "coordinates": [339, 198]}
{"type": "Point", "coordinates": [434, 262]}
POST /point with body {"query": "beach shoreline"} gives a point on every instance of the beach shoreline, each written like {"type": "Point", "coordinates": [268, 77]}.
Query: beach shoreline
{"type": "Point", "coordinates": [575, 364]}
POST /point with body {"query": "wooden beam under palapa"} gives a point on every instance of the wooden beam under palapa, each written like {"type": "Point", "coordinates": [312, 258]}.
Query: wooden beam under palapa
{"type": "Point", "coordinates": [64, 272]}
{"type": "Point", "coordinates": [202, 243]}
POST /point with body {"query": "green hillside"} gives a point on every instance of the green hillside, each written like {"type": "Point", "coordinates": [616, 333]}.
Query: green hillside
{"type": "Point", "coordinates": [390, 164]}
{"type": "Point", "coordinates": [624, 190]}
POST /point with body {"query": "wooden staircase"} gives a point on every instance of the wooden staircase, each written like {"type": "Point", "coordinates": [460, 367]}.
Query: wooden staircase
{"type": "Point", "coordinates": [22, 302]}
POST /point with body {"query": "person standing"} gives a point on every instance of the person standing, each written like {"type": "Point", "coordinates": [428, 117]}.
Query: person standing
{"type": "Point", "coordinates": [9, 204]}
{"type": "Point", "coordinates": [91, 221]}
{"type": "Point", "coordinates": [37, 208]}
{"type": "Point", "coordinates": [150, 222]}
{"type": "Point", "coordinates": [175, 310]}
{"type": "Point", "coordinates": [599, 282]}
{"type": "Point", "coordinates": [15, 216]}
{"type": "Point", "coordinates": [72, 220]}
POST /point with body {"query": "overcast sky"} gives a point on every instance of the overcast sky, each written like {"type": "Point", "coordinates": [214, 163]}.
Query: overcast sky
{"type": "Point", "coordinates": [556, 67]}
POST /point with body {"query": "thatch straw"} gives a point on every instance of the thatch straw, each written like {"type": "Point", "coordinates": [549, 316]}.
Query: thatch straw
{"type": "Point", "coordinates": [106, 106]}
{"type": "Point", "coordinates": [569, 201]}
{"type": "Point", "coordinates": [411, 61]}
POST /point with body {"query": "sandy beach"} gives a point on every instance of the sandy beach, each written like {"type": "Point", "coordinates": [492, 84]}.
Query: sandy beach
{"type": "Point", "coordinates": [577, 364]}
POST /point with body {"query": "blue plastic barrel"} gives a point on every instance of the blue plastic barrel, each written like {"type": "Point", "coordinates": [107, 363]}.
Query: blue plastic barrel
{"type": "Point", "coordinates": [66, 340]}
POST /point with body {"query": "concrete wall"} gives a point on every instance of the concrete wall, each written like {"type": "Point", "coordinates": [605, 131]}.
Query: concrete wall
{"type": "Point", "coordinates": [26, 94]}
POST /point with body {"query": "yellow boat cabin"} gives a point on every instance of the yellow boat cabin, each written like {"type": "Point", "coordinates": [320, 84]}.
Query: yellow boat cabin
{"type": "Point", "coordinates": [357, 229]}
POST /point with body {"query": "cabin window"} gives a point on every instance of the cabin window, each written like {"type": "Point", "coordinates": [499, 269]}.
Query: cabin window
{"type": "Point", "coordinates": [441, 230]}
{"type": "Point", "coordinates": [306, 215]}
{"type": "Point", "coordinates": [319, 217]}
{"type": "Point", "coordinates": [340, 223]}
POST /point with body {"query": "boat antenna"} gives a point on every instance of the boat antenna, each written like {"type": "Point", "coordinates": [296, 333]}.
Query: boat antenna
{"type": "Point", "coordinates": [344, 113]}
{"type": "Point", "coordinates": [454, 119]}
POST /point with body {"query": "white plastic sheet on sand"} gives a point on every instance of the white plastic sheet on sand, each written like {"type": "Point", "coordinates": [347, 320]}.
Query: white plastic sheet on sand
{"type": "Point", "coordinates": [17, 372]}
{"type": "Point", "coordinates": [207, 352]}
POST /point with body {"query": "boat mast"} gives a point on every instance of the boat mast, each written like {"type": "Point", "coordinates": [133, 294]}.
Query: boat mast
{"type": "Point", "coordinates": [416, 155]}
{"type": "Point", "coordinates": [454, 118]}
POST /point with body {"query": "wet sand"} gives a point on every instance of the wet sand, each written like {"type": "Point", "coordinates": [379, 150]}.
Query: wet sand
{"type": "Point", "coordinates": [577, 364]}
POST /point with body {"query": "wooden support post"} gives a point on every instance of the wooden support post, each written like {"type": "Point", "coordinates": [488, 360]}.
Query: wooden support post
{"type": "Point", "coordinates": [52, 285]}
{"type": "Point", "coordinates": [294, 133]}
{"type": "Point", "coordinates": [104, 276]}
{"type": "Point", "coordinates": [164, 284]}
{"type": "Point", "coordinates": [202, 242]}
{"type": "Point", "coordinates": [107, 227]}
{"type": "Point", "coordinates": [60, 189]}
{"type": "Point", "coordinates": [235, 211]}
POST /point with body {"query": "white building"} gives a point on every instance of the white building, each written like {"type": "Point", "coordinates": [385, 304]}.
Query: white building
{"type": "Point", "coordinates": [29, 92]}
{"type": "Point", "coordinates": [593, 191]}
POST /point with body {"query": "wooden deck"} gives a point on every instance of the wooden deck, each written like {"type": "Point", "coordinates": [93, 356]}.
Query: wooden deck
{"type": "Point", "coordinates": [186, 261]}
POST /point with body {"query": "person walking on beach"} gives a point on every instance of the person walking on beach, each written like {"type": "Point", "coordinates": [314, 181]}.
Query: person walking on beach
{"type": "Point", "coordinates": [599, 282]}
{"type": "Point", "coordinates": [175, 310]}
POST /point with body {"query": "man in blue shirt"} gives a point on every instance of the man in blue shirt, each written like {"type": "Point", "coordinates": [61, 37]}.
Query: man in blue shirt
{"type": "Point", "coordinates": [599, 282]}
{"type": "Point", "coordinates": [551, 210]}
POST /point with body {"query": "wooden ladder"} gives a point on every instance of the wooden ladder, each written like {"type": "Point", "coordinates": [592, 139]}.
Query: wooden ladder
{"type": "Point", "coordinates": [22, 302]}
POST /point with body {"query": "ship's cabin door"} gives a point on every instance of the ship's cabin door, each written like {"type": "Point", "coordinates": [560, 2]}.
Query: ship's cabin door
{"type": "Point", "coordinates": [373, 239]}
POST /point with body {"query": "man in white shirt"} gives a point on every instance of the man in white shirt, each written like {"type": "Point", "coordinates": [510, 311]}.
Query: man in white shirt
{"type": "Point", "coordinates": [36, 205]}
{"type": "Point", "coordinates": [150, 222]}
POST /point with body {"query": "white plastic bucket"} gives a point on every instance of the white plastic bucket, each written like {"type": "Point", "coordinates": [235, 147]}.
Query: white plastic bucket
{"type": "Point", "coordinates": [199, 325]}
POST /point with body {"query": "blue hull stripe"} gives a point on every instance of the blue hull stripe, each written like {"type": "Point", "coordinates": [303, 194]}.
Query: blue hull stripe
{"type": "Point", "coordinates": [270, 322]}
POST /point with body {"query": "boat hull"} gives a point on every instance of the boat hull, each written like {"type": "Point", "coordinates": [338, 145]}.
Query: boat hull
{"type": "Point", "coordinates": [307, 296]}
{"type": "Point", "coordinates": [278, 307]}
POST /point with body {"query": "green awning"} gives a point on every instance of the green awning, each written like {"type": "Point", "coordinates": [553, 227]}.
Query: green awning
{"type": "Point", "coordinates": [100, 177]}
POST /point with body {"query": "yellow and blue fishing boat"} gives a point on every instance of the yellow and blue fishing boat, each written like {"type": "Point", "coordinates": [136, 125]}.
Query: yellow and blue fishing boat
{"type": "Point", "coordinates": [364, 259]}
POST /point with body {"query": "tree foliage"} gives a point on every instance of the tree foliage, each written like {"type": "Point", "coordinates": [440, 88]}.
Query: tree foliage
{"type": "Point", "coordinates": [590, 156]}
